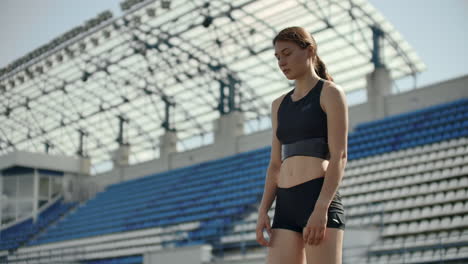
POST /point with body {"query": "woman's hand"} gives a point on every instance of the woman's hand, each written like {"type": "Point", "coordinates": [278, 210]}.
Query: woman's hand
{"type": "Point", "coordinates": [263, 221]}
{"type": "Point", "coordinates": [314, 231]}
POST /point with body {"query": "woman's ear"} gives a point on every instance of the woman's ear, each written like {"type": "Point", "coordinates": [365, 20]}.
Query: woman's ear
{"type": "Point", "coordinates": [310, 52]}
{"type": "Point", "coordinates": [311, 55]}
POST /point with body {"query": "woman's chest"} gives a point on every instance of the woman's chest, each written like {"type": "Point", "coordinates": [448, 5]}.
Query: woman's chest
{"type": "Point", "coordinates": [301, 120]}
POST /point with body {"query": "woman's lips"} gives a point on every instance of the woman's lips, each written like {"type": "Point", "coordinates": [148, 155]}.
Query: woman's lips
{"type": "Point", "coordinates": [286, 71]}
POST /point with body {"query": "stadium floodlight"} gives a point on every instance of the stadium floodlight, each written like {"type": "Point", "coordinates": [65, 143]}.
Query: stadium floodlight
{"type": "Point", "coordinates": [95, 41]}
{"type": "Point", "coordinates": [116, 25]}
{"type": "Point", "coordinates": [151, 12]}
{"type": "Point", "coordinates": [128, 4]}
{"type": "Point", "coordinates": [92, 23]}
{"type": "Point", "coordinates": [29, 73]}
{"type": "Point", "coordinates": [124, 6]}
{"type": "Point", "coordinates": [125, 21]}
{"type": "Point", "coordinates": [106, 33]}
{"type": "Point", "coordinates": [59, 57]}
{"type": "Point", "coordinates": [39, 69]}
{"type": "Point", "coordinates": [85, 76]}
{"type": "Point", "coordinates": [136, 20]}
{"type": "Point", "coordinates": [63, 88]}
{"type": "Point", "coordinates": [26, 104]}
{"type": "Point", "coordinates": [166, 4]}
{"type": "Point", "coordinates": [208, 20]}
{"type": "Point", "coordinates": [69, 52]}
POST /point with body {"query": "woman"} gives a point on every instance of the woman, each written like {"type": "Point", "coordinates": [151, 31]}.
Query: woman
{"type": "Point", "coordinates": [308, 158]}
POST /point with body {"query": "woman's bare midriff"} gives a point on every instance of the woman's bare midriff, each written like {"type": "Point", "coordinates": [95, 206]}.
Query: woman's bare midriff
{"type": "Point", "coordinates": [299, 169]}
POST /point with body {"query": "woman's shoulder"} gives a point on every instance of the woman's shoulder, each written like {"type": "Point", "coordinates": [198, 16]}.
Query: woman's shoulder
{"type": "Point", "coordinates": [332, 85]}
{"type": "Point", "coordinates": [277, 101]}
{"type": "Point", "coordinates": [332, 95]}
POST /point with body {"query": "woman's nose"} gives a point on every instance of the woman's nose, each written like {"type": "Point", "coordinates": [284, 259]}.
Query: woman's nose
{"type": "Point", "coordinates": [282, 62]}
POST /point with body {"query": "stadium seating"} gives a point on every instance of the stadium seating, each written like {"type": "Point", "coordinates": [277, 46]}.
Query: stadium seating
{"type": "Point", "coordinates": [406, 174]}
{"type": "Point", "coordinates": [15, 235]}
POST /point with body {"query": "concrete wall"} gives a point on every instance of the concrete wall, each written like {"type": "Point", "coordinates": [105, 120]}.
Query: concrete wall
{"type": "Point", "coordinates": [189, 255]}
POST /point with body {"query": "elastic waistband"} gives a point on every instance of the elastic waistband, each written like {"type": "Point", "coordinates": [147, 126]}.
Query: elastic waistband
{"type": "Point", "coordinates": [316, 147]}
{"type": "Point", "coordinates": [318, 180]}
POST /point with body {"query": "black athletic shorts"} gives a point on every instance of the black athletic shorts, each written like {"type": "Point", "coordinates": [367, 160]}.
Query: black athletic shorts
{"type": "Point", "coordinates": [295, 204]}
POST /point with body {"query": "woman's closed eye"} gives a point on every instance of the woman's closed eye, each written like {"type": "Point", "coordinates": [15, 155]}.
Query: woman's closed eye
{"type": "Point", "coordinates": [284, 55]}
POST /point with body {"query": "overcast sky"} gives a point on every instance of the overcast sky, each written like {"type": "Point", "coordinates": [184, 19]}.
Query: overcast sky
{"type": "Point", "coordinates": [436, 29]}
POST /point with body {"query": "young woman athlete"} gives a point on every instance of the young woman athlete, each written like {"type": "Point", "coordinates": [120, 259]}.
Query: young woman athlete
{"type": "Point", "coordinates": [308, 158]}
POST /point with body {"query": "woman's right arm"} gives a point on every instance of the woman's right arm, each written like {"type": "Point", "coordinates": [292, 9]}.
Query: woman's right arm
{"type": "Point", "coordinates": [273, 170]}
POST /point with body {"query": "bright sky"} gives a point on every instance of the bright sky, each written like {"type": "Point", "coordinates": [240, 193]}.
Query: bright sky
{"type": "Point", "coordinates": [435, 29]}
{"type": "Point", "coordinates": [437, 32]}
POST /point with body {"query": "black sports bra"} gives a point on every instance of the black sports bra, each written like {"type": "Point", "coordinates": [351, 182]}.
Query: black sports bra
{"type": "Point", "coordinates": [302, 125]}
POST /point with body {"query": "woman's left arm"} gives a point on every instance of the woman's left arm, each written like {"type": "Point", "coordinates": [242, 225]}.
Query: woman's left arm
{"type": "Point", "coordinates": [336, 108]}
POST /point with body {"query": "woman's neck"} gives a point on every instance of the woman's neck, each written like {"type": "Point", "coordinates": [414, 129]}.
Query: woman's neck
{"type": "Point", "coordinates": [306, 82]}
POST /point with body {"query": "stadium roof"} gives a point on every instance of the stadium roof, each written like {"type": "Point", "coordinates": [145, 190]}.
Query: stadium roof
{"type": "Point", "coordinates": [179, 65]}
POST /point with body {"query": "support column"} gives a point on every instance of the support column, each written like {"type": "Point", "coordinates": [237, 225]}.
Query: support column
{"type": "Point", "coordinates": [379, 82]}
{"type": "Point", "coordinates": [379, 85]}
{"type": "Point", "coordinates": [35, 198]}
{"type": "Point", "coordinates": [120, 156]}
{"type": "Point", "coordinates": [227, 129]}
{"type": "Point", "coordinates": [1, 199]}
{"type": "Point", "coordinates": [17, 198]}
{"type": "Point", "coordinates": [49, 196]}
{"type": "Point", "coordinates": [120, 159]}
{"type": "Point", "coordinates": [168, 145]}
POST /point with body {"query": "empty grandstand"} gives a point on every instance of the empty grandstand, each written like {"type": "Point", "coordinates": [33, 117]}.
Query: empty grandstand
{"type": "Point", "coordinates": [118, 169]}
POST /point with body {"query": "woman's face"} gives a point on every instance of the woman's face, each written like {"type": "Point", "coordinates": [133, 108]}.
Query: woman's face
{"type": "Point", "coordinates": [292, 60]}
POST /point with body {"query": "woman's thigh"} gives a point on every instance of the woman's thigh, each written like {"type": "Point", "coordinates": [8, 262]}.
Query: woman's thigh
{"type": "Point", "coordinates": [329, 250]}
{"type": "Point", "coordinates": [286, 246]}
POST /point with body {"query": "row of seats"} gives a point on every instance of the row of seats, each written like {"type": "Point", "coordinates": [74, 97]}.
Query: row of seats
{"type": "Point", "coordinates": [455, 197]}
{"type": "Point", "coordinates": [435, 112]}
{"type": "Point", "coordinates": [421, 239]}
{"type": "Point", "coordinates": [15, 235]}
{"type": "Point", "coordinates": [457, 221]}
{"type": "Point", "coordinates": [397, 218]}
{"type": "Point", "coordinates": [404, 180]}
{"type": "Point", "coordinates": [436, 255]}
{"type": "Point", "coordinates": [413, 191]}
{"type": "Point", "coordinates": [428, 211]}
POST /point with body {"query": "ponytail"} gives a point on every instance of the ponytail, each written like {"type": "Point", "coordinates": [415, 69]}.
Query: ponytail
{"type": "Point", "coordinates": [321, 69]}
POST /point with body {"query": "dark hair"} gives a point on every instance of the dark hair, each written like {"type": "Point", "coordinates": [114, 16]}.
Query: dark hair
{"type": "Point", "coordinates": [302, 38]}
